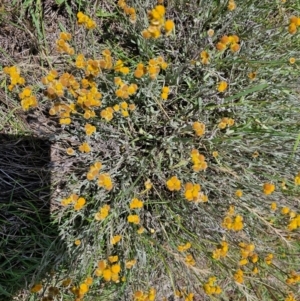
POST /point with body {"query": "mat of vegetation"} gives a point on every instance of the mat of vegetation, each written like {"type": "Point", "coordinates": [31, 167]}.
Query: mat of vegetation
{"type": "Point", "coordinates": [174, 133]}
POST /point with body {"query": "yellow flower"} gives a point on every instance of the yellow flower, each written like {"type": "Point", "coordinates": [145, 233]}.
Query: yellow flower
{"type": "Point", "coordinates": [148, 184]}
{"type": "Point", "coordinates": [189, 260]}
{"type": "Point", "coordinates": [239, 276]}
{"type": "Point", "coordinates": [130, 263]}
{"type": "Point", "coordinates": [77, 242]}
{"type": "Point", "coordinates": [273, 206]}
{"type": "Point", "coordinates": [215, 154]}
{"type": "Point", "coordinates": [115, 239]}
{"type": "Point", "coordinates": [174, 184]}
{"type": "Point", "coordinates": [103, 213]}
{"type": "Point", "coordinates": [252, 75]}
{"type": "Point", "coordinates": [199, 128]}
{"type": "Point", "coordinates": [169, 26]}
{"type": "Point", "coordinates": [290, 297]}
{"type": "Point", "coordinates": [136, 204]}
{"type": "Point", "coordinates": [189, 297]}
{"type": "Point", "coordinates": [239, 193]}
{"type": "Point", "coordinates": [222, 86]}
{"type": "Point", "coordinates": [89, 129]}
{"type": "Point", "coordinates": [133, 218]}
{"type": "Point", "coordinates": [269, 258]}
{"type": "Point", "coordinates": [268, 188]}
{"type": "Point", "coordinates": [292, 60]}
{"type": "Point", "coordinates": [79, 203]}
{"type": "Point", "coordinates": [297, 179]}
{"type": "Point", "coordinates": [70, 151]}
{"type": "Point", "coordinates": [84, 147]}
{"type": "Point", "coordinates": [182, 248]}
{"type": "Point", "coordinates": [141, 230]}
{"type": "Point", "coordinates": [231, 5]}
{"type": "Point", "coordinates": [104, 180]}
{"type": "Point", "coordinates": [83, 288]}
{"type": "Point", "coordinates": [285, 210]}
{"type": "Point", "coordinates": [204, 57]}
{"type": "Point", "coordinates": [107, 275]}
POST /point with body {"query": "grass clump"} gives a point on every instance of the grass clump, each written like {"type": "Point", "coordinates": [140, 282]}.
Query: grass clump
{"type": "Point", "coordinates": [182, 128]}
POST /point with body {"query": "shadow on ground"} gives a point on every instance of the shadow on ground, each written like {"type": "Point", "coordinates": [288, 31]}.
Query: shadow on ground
{"type": "Point", "coordinates": [29, 241]}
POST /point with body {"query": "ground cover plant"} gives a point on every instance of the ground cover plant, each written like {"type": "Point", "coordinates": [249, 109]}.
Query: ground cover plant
{"type": "Point", "coordinates": [175, 126]}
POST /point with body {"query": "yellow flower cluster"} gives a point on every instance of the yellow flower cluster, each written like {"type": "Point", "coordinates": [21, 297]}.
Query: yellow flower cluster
{"type": "Point", "coordinates": [220, 251]}
{"type": "Point", "coordinates": [130, 263]}
{"type": "Point", "coordinates": [290, 297]}
{"type": "Point", "coordinates": [198, 161]}
{"type": "Point", "coordinates": [185, 247]}
{"type": "Point", "coordinates": [140, 70]}
{"type": "Point", "coordinates": [124, 90]}
{"type": "Point", "coordinates": [84, 147]}
{"type": "Point", "coordinates": [107, 113]}
{"type": "Point", "coordinates": [62, 45]}
{"type": "Point", "coordinates": [293, 278]}
{"type": "Point", "coordinates": [77, 201]}
{"type": "Point", "coordinates": [124, 108]}
{"type": "Point", "coordinates": [27, 99]}
{"type": "Point", "coordinates": [157, 21]}
{"type": "Point", "coordinates": [136, 204]}
{"type": "Point", "coordinates": [128, 10]}
{"type": "Point", "coordinates": [92, 67]}
{"type": "Point", "coordinates": [189, 260]}
{"type": "Point", "coordinates": [119, 67]}
{"type": "Point", "coordinates": [231, 5]}
{"type": "Point", "coordinates": [210, 288]}
{"type": "Point", "coordinates": [104, 180]}
{"type": "Point", "coordinates": [155, 65]}
{"type": "Point", "coordinates": [173, 184]}
{"type": "Point", "coordinates": [193, 193]}
{"type": "Point", "coordinates": [199, 128]}
{"type": "Point", "coordinates": [83, 288]}
{"type": "Point", "coordinates": [294, 24]}
{"type": "Point", "coordinates": [229, 41]}
{"type": "Point", "coordinates": [204, 56]}
{"type": "Point", "coordinates": [94, 171]}
{"type": "Point", "coordinates": [71, 199]}
{"type": "Point", "coordinates": [142, 296]}
{"type": "Point", "coordinates": [115, 239]}
{"type": "Point", "coordinates": [247, 252]}
{"type": "Point", "coordinates": [102, 213]}
{"type": "Point", "coordinates": [268, 188]}
{"type": "Point", "coordinates": [89, 99]}
{"type": "Point", "coordinates": [294, 224]}
{"type": "Point", "coordinates": [269, 258]}
{"type": "Point", "coordinates": [15, 78]}
{"type": "Point", "coordinates": [133, 218]}
{"type": "Point", "coordinates": [225, 122]}
{"type": "Point", "coordinates": [239, 276]}
{"type": "Point", "coordinates": [297, 179]}
{"type": "Point", "coordinates": [55, 88]}
{"type": "Point", "coordinates": [165, 92]}
{"type": "Point", "coordinates": [89, 129]}
{"type": "Point", "coordinates": [231, 222]}
{"type": "Point", "coordinates": [109, 271]}
{"type": "Point", "coordinates": [83, 19]}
